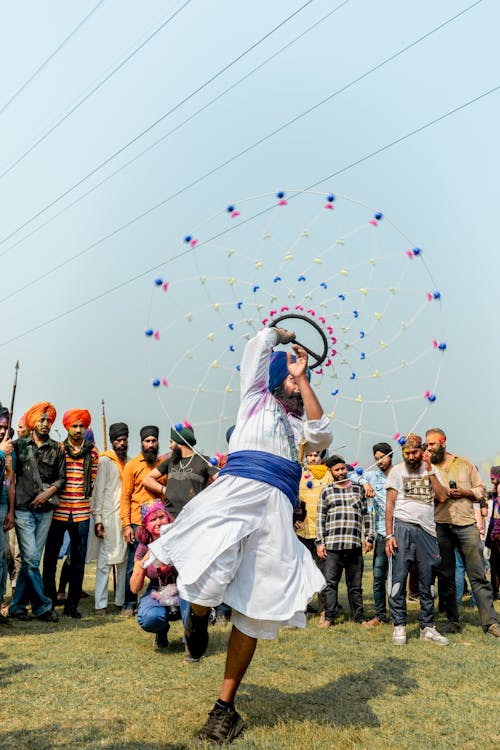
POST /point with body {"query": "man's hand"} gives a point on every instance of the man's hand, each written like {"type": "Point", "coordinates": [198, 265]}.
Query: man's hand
{"type": "Point", "coordinates": [8, 523]}
{"type": "Point", "coordinates": [7, 446]}
{"type": "Point", "coordinates": [284, 336]}
{"type": "Point", "coordinates": [128, 534]}
{"type": "Point", "coordinates": [391, 547]}
{"type": "Point", "coordinates": [369, 491]}
{"type": "Point", "coordinates": [321, 551]}
{"type": "Point", "coordinates": [368, 546]}
{"type": "Point", "coordinates": [298, 525]}
{"type": "Point", "coordinates": [42, 498]}
{"type": "Point", "coordinates": [299, 367]}
{"type": "Point", "coordinates": [99, 530]}
{"type": "Point", "coordinates": [458, 493]}
{"type": "Point", "coordinates": [427, 460]}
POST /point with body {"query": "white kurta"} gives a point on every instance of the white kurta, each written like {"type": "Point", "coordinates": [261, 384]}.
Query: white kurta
{"type": "Point", "coordinates": [105, 507]}
{"type": "Point", "coordinates": [235, 542]}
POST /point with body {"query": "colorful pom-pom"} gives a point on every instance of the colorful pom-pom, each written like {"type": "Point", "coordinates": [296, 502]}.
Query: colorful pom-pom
{"type": "Point", "coordinates": [379, 215]}
{"type": "Point", "coordinates": [188, 238]}
{"type": "Point", "coordinates": [402, 440]}
{"type": "Point", "coordinates": [230, 209]}
{"type": "Point", "coordinates": [149, 331]}
{"type": "Point", "coordinates": [359, 471]}
{"type": "Point", "coordinates": [155, 383]}
{"type": "Point", "coordinates": [309, 484]}
{"type": "Point", "coordinates": [335, 392]}
{"type": "Point", "coordinates": [330, 198]}
{"type": "Point", "coordinates": [158, 282]}
{"type": "Point", "coordinates": [416, 251]}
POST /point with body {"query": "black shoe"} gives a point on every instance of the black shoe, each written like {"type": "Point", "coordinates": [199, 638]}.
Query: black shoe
{"type": "Point", "coordinates": [450, 627]}
{"type": "Point", "coordinates": [196, 634]}
{"type": "Point", "coordinates": [161, 640]}
{"type": "Point", "coordinates": [72, 612]}
{"type": "Point", "coordinates": [49, 616]}
{"type": "Point", "coordinates": [222, 727]}
{"type": "Point", "coordinates": [4, 620]}
{"type": "Point", "coordinates": [23, 616]}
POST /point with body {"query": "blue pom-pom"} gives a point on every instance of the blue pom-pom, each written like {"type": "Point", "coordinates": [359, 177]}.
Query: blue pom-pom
{"type": "Point", "coordinates": [330, 198]}
{"type": "Point", "coordinates": [230, 326]}
{"type": "Point", "coordinates": [402, 440]}
{"type": "Point", "coordinates": [431, 398]}
{"type": "Point", "coordinates": [230, 209]}
{"type": "Point", "coordinates": [238, 368]}
{"type": "Point", "coordinates": [352, 376]}
{"type": "Point", "coordinates": [442, 346]}
{"type": "Point", "coordinates": [361, 334]}
{"type": "Point", "coordinates": [436, 295]}
{"type": "Point", "coordinates": [256, 288]}
{"type": "Point", "coordinates": [158, 282]}
{"type": "Point", "coordinates": [379, 215]}
{"type": "Point", "coordinates": [277, 278]}
{"type": "Point", "coordinates": [355, 313]}
{"type": "Point", "coordinates": [342, 297]}
{"type": "Point", "coordinates": [149, 332]}
{"type": "Point", "coordinates": [363, 355]}
{"type": "Point", "coordinates": [213, 461]}
{"type": "Point", "coordinates": [188, 238]}
{"type": "Point", "coordinates": [239, 305]}
{"type": "Point", "coordinates": [324, 285]}
{"type": "Point", "coordinates": [359, 471]}
{"type": "Point", "coordinates": [156, 382]}
{"type": "Point", "coordinates": [280, 194]}
{"type": "Point", "coordinates": [178, 427]}
{"type": "Point", "coordinates": [231, 347]}
{"type": "Point", "coordinates": [309, 484]}
{"type": "Point", "coordinates": [416, 251]}
{"type": "Point", "coordinates": [335, 392]}
{"type": "Point", "coordinates": [301, 278]}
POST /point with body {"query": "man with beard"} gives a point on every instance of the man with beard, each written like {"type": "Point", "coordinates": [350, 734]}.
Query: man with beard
{"type": "Point", "coordinates": [235, 542]}
{"type": "Point", "coordinates": [413, 488]}
{"type": "Point", "coordinates": [105, 505]}
{"type": "Point", "coordinates": [457, 529]}
{"type": "Point", "coordinates": [40, 475]}
{"type": "Point", "coordinates": [133, 495]}
{"type": "Point", "coordinates": [187, 472]}
{"type": "Point", "coordinates": [73, 512]}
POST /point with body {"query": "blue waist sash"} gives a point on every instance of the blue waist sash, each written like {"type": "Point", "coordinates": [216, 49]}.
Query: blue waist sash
{"type": "Point", "coordinates": [266, 467]}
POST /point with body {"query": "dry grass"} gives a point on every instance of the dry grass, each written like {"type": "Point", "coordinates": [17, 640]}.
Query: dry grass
{"type": "Point", "coordinates": [98, 683]}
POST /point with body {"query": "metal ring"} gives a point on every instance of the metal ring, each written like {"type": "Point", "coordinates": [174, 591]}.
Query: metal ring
{"type": "Point", "coordinates": [318, 358]}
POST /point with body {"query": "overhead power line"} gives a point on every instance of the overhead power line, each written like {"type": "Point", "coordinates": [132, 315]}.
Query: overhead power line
{"type": "Point", "coordinates": [210, 80]}
{"type": "Point", "coordinates": [49, 58]}
{"type": "Point", "coordinates": [92, 92]}
{"type": "Point", "coordinates": [231, 159]}
{"type": "Point", "coordinates": [336, 173]}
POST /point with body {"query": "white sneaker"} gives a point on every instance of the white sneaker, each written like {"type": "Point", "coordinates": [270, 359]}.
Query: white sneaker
{"type": "Point", "coordinates": [399, 635]}
{"type": "Point", "coordinates": [433, 636]}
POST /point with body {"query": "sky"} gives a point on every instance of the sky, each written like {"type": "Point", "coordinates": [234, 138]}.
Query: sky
{"type": "Point", "coordinates": [412, 132]}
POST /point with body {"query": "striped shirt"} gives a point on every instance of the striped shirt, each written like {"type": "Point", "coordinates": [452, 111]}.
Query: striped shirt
{"type": "Point", "coordinates": [72, 497]}
{"type": "Point", "coordinates": [342, 511]}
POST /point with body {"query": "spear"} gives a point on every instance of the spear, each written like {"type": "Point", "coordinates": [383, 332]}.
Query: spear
{"type": "Point", "coordinates": [104, 426]}
{"type": "Point", "coordinates": [14, 387]}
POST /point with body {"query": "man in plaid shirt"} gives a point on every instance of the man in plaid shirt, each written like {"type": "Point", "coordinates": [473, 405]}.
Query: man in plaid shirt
{"type": "Point", "coordinates": [342, 511]}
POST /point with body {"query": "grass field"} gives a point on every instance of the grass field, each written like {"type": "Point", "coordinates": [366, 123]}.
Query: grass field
{"type": "Point", "coordinates": [98, 683]}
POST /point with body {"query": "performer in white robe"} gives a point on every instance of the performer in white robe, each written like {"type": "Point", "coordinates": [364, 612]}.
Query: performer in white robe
{"type": "Point", "coordinates": [235, 542]}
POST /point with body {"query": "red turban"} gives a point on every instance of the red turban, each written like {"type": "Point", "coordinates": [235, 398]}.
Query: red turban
{"type": "Point", "coordinates": [33, 414]}
{"type": "Point", "coordinates": [76, 415]}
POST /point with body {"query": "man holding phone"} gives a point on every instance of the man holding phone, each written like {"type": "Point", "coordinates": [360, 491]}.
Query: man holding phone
{"type": "Point", "coordinates": [456, 529]}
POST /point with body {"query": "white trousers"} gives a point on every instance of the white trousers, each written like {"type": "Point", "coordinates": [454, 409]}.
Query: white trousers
{"type": "Point", "coordinates": [102, 572]}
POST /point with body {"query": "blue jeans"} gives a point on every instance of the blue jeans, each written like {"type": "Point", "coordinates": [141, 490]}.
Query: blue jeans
{"type": "Point", "coordinates": [151, 615]}
{"type": "Point", "coordinates": [130, 598]}
{"type": "Point", "coordinates": [380, 570]}
{"type": "Point", "coordinates": [32, 527]}
{"type": "Point", "coordinates": [414, 545]}
{"type": "Point", "coordinates": [460, 579]}
{"type": "Point", "coordinates": [466, 539]}
{"type": "Point", "coordinates": [78, 534]}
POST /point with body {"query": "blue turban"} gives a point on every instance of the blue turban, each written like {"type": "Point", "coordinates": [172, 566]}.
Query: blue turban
{"type": "Point", "coordinates": [278, 369]}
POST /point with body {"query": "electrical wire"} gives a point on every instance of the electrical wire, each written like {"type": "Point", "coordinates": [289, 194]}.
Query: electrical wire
{"type": "Point", "coordinates": [246, 150]}
{"type": "Point", "coordinates": [158, 121]}
{"type": "Point", "coordinates": [49, 58]}
{"type": "Point", "coordinates": [92, 92]}
{"type": "Point", "coordinates": [352, 164]}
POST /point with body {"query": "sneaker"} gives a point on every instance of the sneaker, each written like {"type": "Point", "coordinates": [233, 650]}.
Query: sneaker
{"type": "Point", "coordinates": [196, 634]}
{"type": "Point", "coordinates": [161, 640]}
{"type": "Point", "coordinates": [49, 616]}
{"type": "Point", "coordinates": [101, 612]}
{"type": "Point", "coordinates": [494, 630]}
{"type": "Point", "coordinates": [222, 726]}
{"type": "Point", "coordinates": [23, 616]}
{"type": "Point", "coordinates": [433, 636]}
{"type": "Point", "coordinates": [127, 612]}
{"type": "Point", "coordinates": [399, 635]}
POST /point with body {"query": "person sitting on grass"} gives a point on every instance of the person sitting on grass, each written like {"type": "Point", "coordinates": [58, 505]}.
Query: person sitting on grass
{"type": "Point", "coordinates": [154, 609]}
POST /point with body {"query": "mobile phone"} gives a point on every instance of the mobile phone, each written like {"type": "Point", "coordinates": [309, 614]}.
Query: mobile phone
{"type": "Point", "coordinates": [452, 484]}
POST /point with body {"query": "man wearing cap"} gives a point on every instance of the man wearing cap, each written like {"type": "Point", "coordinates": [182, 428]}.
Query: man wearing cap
{"type": "Point", "coordinates": [413, 488]}
{"type": "Point", "coordinates": [40, 476]}
{"type": "Point", "coordinates": [105, 507]}
{"type": "Point", "coordinates": [133, 495]}
{"type": "Point", "coordinates": [73, 512]}
{"type": "Point", "coordinates": [457, 529]}
{"type": "Point", "coordinates": [235, 541]}
{"type": "Point", "coordinates": [188, 472]}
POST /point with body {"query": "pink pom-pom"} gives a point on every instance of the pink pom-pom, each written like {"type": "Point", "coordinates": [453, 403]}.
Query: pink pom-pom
{"type": "Point", "coordinates": [322, 320]}
{"type": "Point", "coordinates": [265, 321]}
{"type": "Point", "coordinates": [320, 371]}
{"type": "Point", "coordinates": [329, 205]}
{"type": "Point", "coordinates": [165, 382]}
{"type": "Point", "coordinates": [334, 352]}
{"type": "Point", "coordinates": [235, 213]}
{"type": "Point", "coordinates": [354, 464]}
{"type": "Point", "coordinates": [435, 344]}
{"type": "Point", "coordinates": [374, 223]}
{"type": "Point", "coordinates": [157, 335]}
{"type": "Point", "coordinates": [164, 286]}
{"type": "Point", "coordinates": [328, 363]}
{"type": "Point", "coordinates": [396, 436]}
{"type": "Point", "coordinates": [427, 394]}
{"type": "Point", "coordinates": [429, 296]}
{"type": "Point", "coordinates": [311, 312]}
{"type": "Point", "coordinates": [299, 307]}
{"type": "Point", "coordinates": [334, 340]}
{"type": "Point", "coordinates": [193, 243]}
{"type": "Point", "coordinates": [272, 313]}
{"type": "Point", "coordinates": [409, 254]}
{"type": "Point", "coordinates": [186, 424]}
{"type": "Point", "coordinates": [284, 308]}
{"type": "Point", "coordinates": [282, 203]}
{"type": "Point", "coordinates": [329, 329]}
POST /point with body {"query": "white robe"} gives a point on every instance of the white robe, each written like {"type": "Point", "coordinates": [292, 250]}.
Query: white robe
{"type": "Point", "coordinates": [105, 507]}
{"type": "Point", "coordinates": [235, 542]}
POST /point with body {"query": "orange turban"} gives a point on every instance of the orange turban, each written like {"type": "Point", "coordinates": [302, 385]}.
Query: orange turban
{"type": "Point", "coordinates": [33, 414]}
{"type": "Point", "coordinates": [76, 415]}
